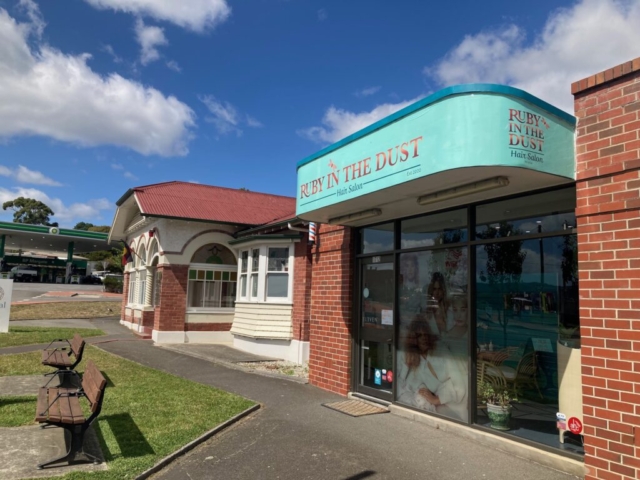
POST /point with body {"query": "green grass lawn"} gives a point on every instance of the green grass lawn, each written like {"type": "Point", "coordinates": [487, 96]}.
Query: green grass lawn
{"type": "Point", "coordinates": [31, 335]}
{"type": "Point", "coordinates": [56, 310]}
{"type": "Point", "coordinates": [146, 415]}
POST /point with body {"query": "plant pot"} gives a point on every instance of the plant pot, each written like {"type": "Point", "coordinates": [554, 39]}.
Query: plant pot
{"type": "Point", "coordinates": [500, 416]}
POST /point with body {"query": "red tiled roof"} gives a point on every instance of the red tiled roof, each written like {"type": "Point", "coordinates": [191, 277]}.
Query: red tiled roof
{"type": "Point", "coordinates": [214, 204]}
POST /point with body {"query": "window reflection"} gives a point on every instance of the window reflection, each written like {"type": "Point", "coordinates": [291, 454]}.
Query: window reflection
{"type": "Point", "coordinates": [527, 309]}
{"type": "Point", "coordinates": [438, 229]}
{"type": "Point", "coordinates": [531, 215]}
{"type": "Point", "coordinates": [377, 239]}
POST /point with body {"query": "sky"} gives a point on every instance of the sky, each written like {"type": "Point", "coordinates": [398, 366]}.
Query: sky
{"type": "Point", "coordinates": [99, 96]}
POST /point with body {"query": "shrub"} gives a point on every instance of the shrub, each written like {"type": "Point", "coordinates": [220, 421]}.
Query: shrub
{"type": "Point", "coordinates": [112, 284]}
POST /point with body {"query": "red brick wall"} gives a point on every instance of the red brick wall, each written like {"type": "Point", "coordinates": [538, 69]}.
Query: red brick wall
{"type": "Point", "coordinates": [125, 295]}
{"type": "Point", "coordinates": [169, 315]}
{"type": "Point", "coordinates": [147, 320]}
{"type": "Point", "coordinates": [300, 314]}
{"type": "Point", "coordinates": [208, 327]}
{"type": "Point", "coordinates": [331, 301]}
{"type": "Point", "coordinates": [608, 208]}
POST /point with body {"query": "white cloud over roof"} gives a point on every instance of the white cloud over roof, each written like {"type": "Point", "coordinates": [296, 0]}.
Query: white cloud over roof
{"type": "Point", "coordinates": [196, 15]}
{"type": "Point", "coordinates": [46, 92]}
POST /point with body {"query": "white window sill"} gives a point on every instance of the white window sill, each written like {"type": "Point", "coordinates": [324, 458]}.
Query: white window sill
{"type": "Point", "coordinates": [211, 310]}
{"type": "Point", "coordinates": [265, 302]}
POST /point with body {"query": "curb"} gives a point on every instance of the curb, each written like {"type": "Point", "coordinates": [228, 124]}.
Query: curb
{"type": "Point", "coordinates": [235, 366]}
{"type": "Point", "coordinates": [191, 445]}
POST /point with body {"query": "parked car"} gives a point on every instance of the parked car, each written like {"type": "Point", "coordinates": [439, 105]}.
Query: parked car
{"type": "Point", "coordinates": [91, 280]}
{"type": "Point", "coordinates": [24, 274]}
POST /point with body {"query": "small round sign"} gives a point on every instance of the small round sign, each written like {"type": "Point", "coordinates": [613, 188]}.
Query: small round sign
{"type": "Point", "coordinates": [365, 292]}
{"type": "Point", "coordinates": [575, 425]}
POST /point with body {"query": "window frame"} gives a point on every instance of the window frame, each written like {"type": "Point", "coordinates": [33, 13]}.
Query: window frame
{"type": "Point", "coordinates": [212, 268]}
{"type": "Point", "coordinates": [262, 273]}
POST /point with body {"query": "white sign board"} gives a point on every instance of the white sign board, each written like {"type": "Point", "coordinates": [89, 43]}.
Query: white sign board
{"type": "Point", "coordinates": [6, 289]}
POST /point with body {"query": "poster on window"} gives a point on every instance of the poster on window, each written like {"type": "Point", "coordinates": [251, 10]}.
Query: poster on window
{"type": "Point", "coordinates": [432, 358]}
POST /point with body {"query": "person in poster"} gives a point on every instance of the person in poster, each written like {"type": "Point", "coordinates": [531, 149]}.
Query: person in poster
{"type": "Point", "coordinates": [430, 377]}
{"type": "Point", "coordinates": [438, 308]}
{"type": "Point", "coordinates": [411, 297]}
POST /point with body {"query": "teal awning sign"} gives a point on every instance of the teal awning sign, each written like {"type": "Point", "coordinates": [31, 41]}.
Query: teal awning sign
{"type": "Point", "coordinates": [459, 127]}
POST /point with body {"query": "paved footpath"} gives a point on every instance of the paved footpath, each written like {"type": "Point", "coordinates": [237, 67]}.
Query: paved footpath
{"type": "Point", "coordinates": [294, 437]}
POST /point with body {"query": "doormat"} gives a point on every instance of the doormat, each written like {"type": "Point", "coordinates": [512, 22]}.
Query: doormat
{"type": "Point", "coordinates": [355, 408]}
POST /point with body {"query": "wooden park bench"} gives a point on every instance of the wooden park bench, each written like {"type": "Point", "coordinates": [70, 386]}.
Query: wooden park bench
{"type": "Point", "coordinates": [64, 359]}
{"type": "Point", "coordinates": [61, 407]}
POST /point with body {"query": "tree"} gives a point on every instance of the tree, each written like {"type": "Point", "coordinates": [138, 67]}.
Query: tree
{"type": "Point", "coordinates": [100, 228]}
{"type": "Point", "coordinates": [30, 211]}
{"type": "Point", "coordinates": [90, 227]}
{"type": "Point", "coordinates": [83, 226]}
{"type": "Point", "coordinates": [504, 266]}
{"type": "Point", "coordinates": [112, 258]}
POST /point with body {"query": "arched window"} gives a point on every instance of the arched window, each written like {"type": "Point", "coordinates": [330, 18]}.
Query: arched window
{"type": "Point", "coordinates": [141, 261]}
{"type": "Point", "coordinates": [213, 275]}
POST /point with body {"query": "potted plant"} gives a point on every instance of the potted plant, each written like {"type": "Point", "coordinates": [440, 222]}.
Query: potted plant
{"type": "Point", "coordinates": [498, 401]}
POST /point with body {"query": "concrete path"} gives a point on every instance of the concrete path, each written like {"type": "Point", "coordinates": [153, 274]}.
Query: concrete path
{"type": "Point", "coordinates": [21, 449]}
{"type": "Point", "coordinates": [294, 437]}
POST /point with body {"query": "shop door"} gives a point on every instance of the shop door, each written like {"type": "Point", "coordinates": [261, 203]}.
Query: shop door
{"type": "Point", "coordinates": [376, 326]}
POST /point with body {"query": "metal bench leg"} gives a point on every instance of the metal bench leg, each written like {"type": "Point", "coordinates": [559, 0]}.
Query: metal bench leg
{"type": "Point", "coordinates": [76, 448]}
{"type": "Point", "coordinates": [66, 457]}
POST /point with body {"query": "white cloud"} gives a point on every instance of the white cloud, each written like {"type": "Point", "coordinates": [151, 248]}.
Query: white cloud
{"type": "Point", "coordinates": [322, 15]}
{"type": "Point", "coordinates": [64, 214]}
{"type": "Point", "coordinates": [173, 65]}
{"type": "Point", "coordinates": [196, 15]}
{"type": "Point", "coordinates": [32, 11]}
{"type": "Point", "coordinates": [338, 123]}
{"type": "Point", "coordinates": [117, 166]}
{"type": "Point", "coordinates": [129, 176]}
{"type": "Point", "coordinates": [253, 122]}
{"type": "Point", "coordinates": [576, 42]}
{"type": "Point", "coordinates": [149, 37]}
{"type": "Point", "coordinates": [48, 93]}
{"type": "Point", "coordinates": [23, 175]}
{"type": "Point", "coordinates": [366, 92]}
{"type": "Point", "coordinates": [109, 49]}
{"type": "Point", "coordinates": [225, 117]}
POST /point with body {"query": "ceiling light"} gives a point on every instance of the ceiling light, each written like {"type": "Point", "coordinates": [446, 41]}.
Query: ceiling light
{"type": "Point", "coordinates": [352, 217]}
{"type": "Point", "coordinates": [462, 190]}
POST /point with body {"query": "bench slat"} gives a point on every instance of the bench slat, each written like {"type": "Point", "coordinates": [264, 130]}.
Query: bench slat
{"type": "Point", "coordinates": [76, 344]}
{"type": "Point", "coordinates": [70, 410]}
{"type": "Point", "coordinates": [41, 415]}
{"type": "Point", "coordinates": [54, 410]}
{"type": "Point", "coordinates": [93, 383]}
{"type": "Point", "coordinates": [61, 358]}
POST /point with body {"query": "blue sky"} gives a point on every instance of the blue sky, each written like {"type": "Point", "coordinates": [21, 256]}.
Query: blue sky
{"type": "Point", "coordinates": [98, 96]}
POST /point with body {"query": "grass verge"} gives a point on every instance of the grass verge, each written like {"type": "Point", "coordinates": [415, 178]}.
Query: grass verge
{"type": "Point", "coordinates": [146, 415]}
{"type": "Point", "coordinates": [17, 411]}
{"type": "Point", "coordinates": [31, 335]}
{"type": "Point", "coordinates": [55, 310]}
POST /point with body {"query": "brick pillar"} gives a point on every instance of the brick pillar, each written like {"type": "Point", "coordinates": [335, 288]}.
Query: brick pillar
{"type": "Point", "coordinates": [125, 295]}
{"type": "Point", "coordinates": [608, 209]}
{"type": "Point", "coordinates": [170, 314]}
{"type": "Point", "coordinates": [300, 314]}
{"type": "Point", "coordinates": [331, 301]}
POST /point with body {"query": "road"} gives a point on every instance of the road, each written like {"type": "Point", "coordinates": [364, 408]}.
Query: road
{"type": "Point", "coordinates": [32, 291]}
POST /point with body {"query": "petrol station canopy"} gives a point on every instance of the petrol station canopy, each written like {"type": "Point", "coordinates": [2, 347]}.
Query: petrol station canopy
{"type": "Point", "coordinates": [43, 240]}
